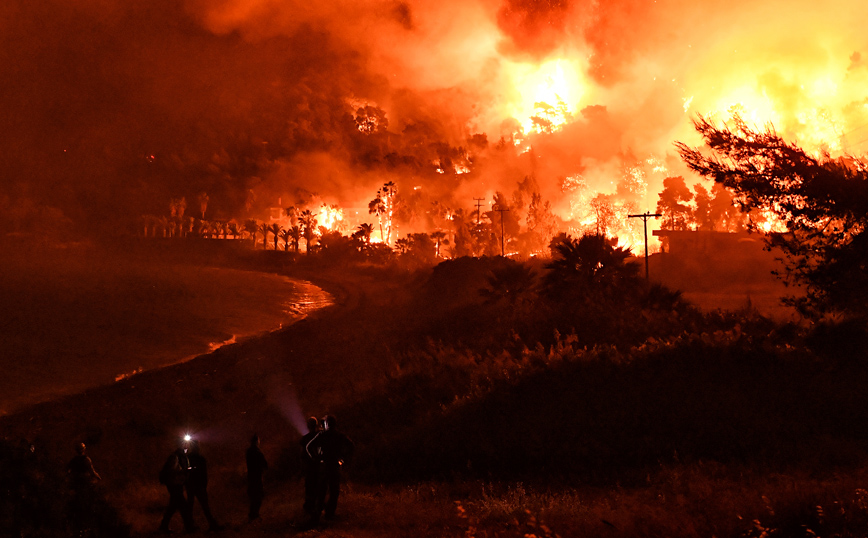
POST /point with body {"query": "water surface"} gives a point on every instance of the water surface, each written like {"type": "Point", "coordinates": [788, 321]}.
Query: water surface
{"type": "Point", "coordinates": [73, 319]}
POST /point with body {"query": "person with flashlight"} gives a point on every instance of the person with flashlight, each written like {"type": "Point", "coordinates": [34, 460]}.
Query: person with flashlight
{"type": "Point", "coordinates": [334, 449]}
{"type": "Point", "coordinates": [173, 475]}
{"type": "Point", "coordinates": [197, 484]}
{"type": "Point", "coordinates": [310, 464]}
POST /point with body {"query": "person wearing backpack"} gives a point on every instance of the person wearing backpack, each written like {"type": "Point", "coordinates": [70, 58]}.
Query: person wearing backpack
{"type": "Point", "coordinates": [310, 468]}
{"type": "Point", "coordinates": [334, 449]}
{"type": "Point", "coordinates": [173, 475]}
{"type": "Point", "coordinates": [197, 484]}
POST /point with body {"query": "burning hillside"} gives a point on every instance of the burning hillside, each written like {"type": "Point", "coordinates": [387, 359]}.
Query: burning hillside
{"type": "Point", "coordinates": [562, 112]}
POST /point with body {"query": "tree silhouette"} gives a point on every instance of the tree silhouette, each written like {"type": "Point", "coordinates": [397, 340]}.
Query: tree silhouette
{"type": "Point", "coordinates": [286, 235]}
{"type": "Point", "coordinates": [387, 195]}
{"type": "Point", "coordinates": [822, 202]}
{"type": "Point", "coordinates": [512, 283]}
{"type": "Point", "coordinates": [604, 213]}
{"type": "Point", "coordinates": [251, 227]}
{"type": "Point", "coordinates": [402, 245]}
{"type": "Point", "coordinates": [275, 230]}
{"type": "Point", "coordinates": [295, 235]}
{"type": "Point", "coordinates": [378, 208]}
{"type": "Point", "coordinates": [264, 228]}
{"type": "Point", "coordinates": [307, 221]}
{"type": "Point", "coordinates": [673, 203]}
{"type": "Point", "coordinates": [363, 233]}
{"type": "Point", "coordinates": [439, 238]}
{"type": "Point", "coordinates": [591, 263]}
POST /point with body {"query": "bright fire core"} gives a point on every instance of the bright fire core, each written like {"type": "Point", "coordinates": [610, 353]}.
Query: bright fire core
{"type": "Point", "coordinates": [546, 95]}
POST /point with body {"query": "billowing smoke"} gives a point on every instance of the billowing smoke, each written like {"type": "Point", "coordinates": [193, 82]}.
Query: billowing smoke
{"type": "Point", "coordinates": [111, 109]}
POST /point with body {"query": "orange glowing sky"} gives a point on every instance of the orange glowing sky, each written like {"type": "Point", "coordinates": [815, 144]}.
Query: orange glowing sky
{"type": "Point", "coordinates": [248, 99]}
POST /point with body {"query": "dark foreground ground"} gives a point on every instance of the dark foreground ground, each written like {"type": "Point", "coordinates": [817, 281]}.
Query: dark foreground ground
{"type": "Point", "coordinates": [714, 434]}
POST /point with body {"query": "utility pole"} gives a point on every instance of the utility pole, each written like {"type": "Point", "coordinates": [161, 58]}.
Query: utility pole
{"type": "Point", "coordinates": [478, 210]}
{"type": "Point", "coordinates": [501, 211]}
{"type": "Point", "coordinates": [645, 216]}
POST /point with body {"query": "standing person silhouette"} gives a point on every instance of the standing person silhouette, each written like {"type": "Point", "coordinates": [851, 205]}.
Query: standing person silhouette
{"type": "Point", "coordinates": [310, 466]}
{"type": "Point", "coordinates": [335, 449]}
{"type": "Point", "coordinates": [256, 466]}
{"type": "Point", "coordinates": [80, 468]}
{"type": "Point", "coordinates": [174, 476]}
{"type": "Point", "coordinates": [197, 485]}
{"type": "Point", "coordinates": [82, 477]}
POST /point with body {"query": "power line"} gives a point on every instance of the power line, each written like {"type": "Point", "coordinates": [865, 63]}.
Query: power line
{"type": "Point", "coordinates": [478, 212]}
{"type": "Point", "coordinates": [645, 216]}
{"type": "Point", "coordinates": [501, 211]}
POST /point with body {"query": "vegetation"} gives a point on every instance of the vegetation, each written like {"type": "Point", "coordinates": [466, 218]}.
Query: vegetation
{"type": "Point", "coordinates": [557, 396]}
{"type": "Point", "coordinates": [820, 205]}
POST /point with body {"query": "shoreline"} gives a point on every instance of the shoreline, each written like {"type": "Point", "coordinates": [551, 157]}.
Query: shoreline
{"type": "Point", "coordinates": [107, 316]}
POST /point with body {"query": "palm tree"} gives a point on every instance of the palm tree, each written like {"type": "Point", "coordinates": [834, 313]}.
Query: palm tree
{"type": "Point", "coordinates": [591, 261]}
{"type": "Point", "coordinates": [264, 228]}
{"type": "Point", "coordinates": [365, 230]}
{"type": "Point", "coordinates": [403, 245]}
{"type": "Point", "coordinates": [378, 208]}
{"type": "Point", "coordinates": [286, 235]}
{"type": "Point", "coordinates": [308, 226]}
{"type": "Point", "coordinates": [232, 228]}
{"type": "Point", "coordinates": [251, 227]}
{"type": "Point", "coordinates": [295, 234]}
{"type": "Point", "coordinates": [513, 282]}
{"type": "Point", "coordinates": [439, 238]}
{"type": "Point", "coordinates": [363, 234]}
{"type": "Point", "coordinates": [275, 230]}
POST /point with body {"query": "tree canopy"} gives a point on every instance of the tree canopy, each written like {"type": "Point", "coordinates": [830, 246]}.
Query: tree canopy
{"type": "Point", "coordinates": [820, 205]}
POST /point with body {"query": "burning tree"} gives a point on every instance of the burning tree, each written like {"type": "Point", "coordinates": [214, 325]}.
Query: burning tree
{"type": "Point", "coordinates": [383, 206]}
{"type": "Point", "coordinates": [387, 194]}
{"type": "Point", "coordinates": [674, 204]}
{"type": "Point", "coordinates": [823, 203]}
{"type": "Point", "coordinates": [604, 214]}
{"type": "Point", "coordinates": [378, 208]}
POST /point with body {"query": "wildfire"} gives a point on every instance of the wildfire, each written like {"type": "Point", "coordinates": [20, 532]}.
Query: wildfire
{"type": "Point", "coordinates": [813, 104]}
{"type": "Point", "coordinates": [546, 94]}
{"type": "Point", "coordinates": [766, 221]}
{"type": "Point", "coordinates": [330, 217]}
